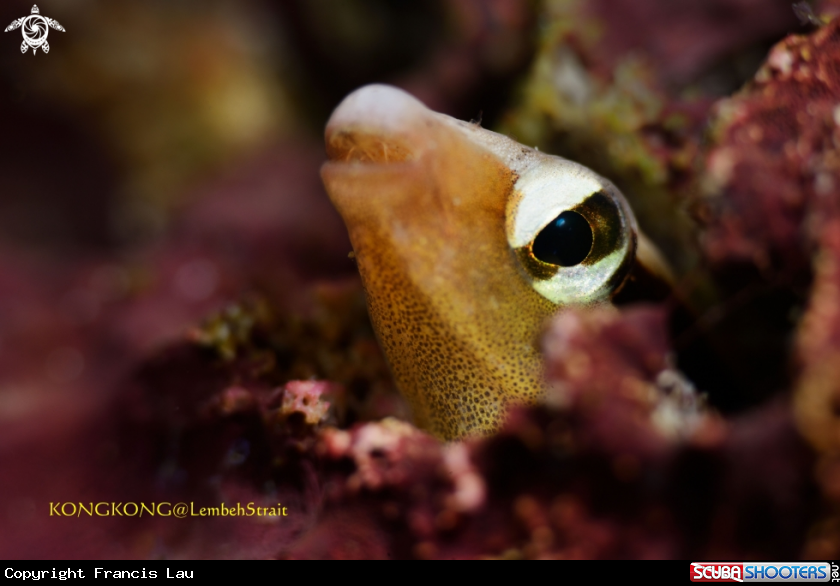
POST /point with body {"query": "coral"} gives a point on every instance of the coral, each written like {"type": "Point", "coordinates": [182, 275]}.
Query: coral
{"type": "Point", "coordinates": [773, 158]}
{"type": "Point", "coordinates": [591, 478]}
{"type": "Point", "coordinates": [305, 397]}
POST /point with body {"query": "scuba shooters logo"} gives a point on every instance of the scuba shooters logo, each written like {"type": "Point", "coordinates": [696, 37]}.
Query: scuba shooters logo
{"type": "Point", "coordinates": [35, 29]}
{"type": "Point", "coordinates": [764, 572]}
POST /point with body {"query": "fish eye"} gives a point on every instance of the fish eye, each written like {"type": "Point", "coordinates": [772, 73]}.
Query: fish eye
{"type": "Point", "coordinates": [572, 232]}
{"type": "Point", "coordinates": [566, 241]}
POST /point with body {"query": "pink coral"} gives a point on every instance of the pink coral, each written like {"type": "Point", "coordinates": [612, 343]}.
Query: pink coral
{"type": "Point", "coordinates": [771, 164]}
{"type": "Point", "coordinates": [305, 397]}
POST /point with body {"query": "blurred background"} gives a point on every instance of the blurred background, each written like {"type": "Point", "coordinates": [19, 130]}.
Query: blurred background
{"type": "Point", "coordinates": [161, 162]}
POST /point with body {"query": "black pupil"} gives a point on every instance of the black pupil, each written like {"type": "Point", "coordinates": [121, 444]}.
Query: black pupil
{"type": "Point", "coordinates": [566, 241]}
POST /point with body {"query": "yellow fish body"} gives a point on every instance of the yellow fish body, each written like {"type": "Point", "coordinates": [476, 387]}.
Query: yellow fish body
{"type": "Point", "coordinates": [466, 241]}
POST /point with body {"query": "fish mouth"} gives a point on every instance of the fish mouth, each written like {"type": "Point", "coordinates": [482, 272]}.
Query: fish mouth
{"type": "Point", "coordinates": [377, 124]}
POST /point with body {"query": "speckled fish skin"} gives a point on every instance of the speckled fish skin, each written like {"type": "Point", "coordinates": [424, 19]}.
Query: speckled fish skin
{"type": "Point", "coordinates": [426, 201]}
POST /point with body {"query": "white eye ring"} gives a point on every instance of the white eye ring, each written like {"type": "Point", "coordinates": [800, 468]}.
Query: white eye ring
{"type": "Point", "coordinates": [546, 190]}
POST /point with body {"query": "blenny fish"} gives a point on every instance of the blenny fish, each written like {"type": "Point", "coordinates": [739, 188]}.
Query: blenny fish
{"type": "Point", "coordinates": [466, 242]}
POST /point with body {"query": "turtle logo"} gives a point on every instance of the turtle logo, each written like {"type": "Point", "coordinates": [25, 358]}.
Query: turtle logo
{"type": "Point", "coordinates": [35, 30]}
